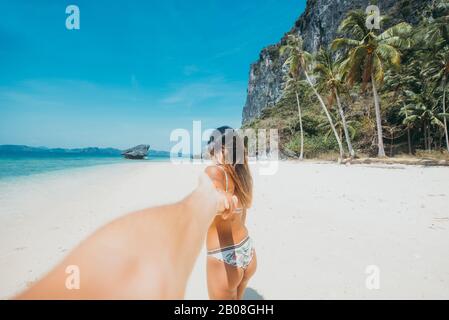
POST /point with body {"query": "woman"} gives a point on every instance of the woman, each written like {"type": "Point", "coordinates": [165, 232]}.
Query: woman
{"type": "Point", "coordinates": [231, 258]}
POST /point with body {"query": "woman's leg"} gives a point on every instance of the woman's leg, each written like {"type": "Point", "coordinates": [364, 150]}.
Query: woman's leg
{"type": "Point", "coordinates": [223, 280]}
{"type": "Point", "coordinates": [249, 272]}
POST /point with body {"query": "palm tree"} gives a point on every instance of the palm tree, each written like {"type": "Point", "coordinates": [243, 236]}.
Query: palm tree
{"type": "Point", "coordinates": [438, 71]}
{"type": "Point", "coordinates": [438, 25]}
{"type": "Point", "coordinates": [409, 125]}
{"type": "Point", "coordinates": [437, 68]}
{"type": "Point", "coordinates": [369, 55]}
{"type": "Point", "coordinates": [329, 80]}
{"type": "Point", "coordinates": [421, 109]}
{"type": "Point", "coordinates": [298, 61]}
{"type": "Point", "coordinates": [293, 85]}
{"type": "Point", "coordinates": [408, 78]}
{"type": "Point", "coordinates": [339, 126]}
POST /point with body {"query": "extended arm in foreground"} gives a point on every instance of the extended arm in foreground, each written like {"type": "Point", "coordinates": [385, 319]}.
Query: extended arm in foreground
{"type": "Point", "coordinates": [144, 255]}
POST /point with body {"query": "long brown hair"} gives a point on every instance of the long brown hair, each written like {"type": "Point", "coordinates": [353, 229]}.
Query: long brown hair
{"type": "Point", "coordinates": [227, 141]}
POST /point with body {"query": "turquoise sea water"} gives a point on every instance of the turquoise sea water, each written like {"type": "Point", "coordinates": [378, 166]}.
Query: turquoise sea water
{"type": "Point", "coordinates": [19, 166]}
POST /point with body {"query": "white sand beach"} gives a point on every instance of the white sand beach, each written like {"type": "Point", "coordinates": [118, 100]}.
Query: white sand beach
{"type": "Point", "coordinates": [317, 227]}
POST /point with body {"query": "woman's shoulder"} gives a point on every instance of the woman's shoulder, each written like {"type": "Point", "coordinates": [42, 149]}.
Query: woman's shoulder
{"type": "Point", "coordinates": [215, 173]}
{"type": "Point", "coordinates": [218, 174]}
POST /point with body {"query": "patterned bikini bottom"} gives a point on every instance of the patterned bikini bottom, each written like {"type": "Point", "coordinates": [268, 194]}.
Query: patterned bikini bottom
{"type": "Point", "coordinates": [239, 255]}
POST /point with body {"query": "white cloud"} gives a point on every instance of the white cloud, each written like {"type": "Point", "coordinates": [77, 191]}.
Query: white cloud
{"type": "Point", "coordinates": [197, 93]}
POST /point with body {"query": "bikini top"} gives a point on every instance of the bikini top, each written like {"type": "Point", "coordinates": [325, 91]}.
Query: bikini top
{"type": "Point", "coordinates": [226, 177]}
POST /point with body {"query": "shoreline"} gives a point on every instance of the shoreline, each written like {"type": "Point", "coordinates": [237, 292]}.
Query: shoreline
{"type": "Point", "coordinates": [47, 165]}
{"type": "Point", "coordinates": [411, 161]}
{"type": "Point", "coordinates": [422, 159]}
{"type": "Point", "coordinates": [425, 162]}
{"type": "Point", "coordinates": [374, 162]}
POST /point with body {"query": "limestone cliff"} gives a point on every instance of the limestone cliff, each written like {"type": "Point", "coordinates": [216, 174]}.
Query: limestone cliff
{"type": "Point", "coordinates": [318, 26]}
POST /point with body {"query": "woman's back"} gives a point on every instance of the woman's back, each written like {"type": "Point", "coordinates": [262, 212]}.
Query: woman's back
{"type": "Point", "coordinates": [231, 231]}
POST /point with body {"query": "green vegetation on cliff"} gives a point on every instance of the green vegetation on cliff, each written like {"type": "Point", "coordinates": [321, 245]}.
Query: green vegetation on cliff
{"type": "Point", "coordinates": [373, 92]}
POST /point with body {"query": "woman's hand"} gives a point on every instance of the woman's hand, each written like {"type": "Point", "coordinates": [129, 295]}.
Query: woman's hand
{"type": "Point", "coordinates": [225, 203]}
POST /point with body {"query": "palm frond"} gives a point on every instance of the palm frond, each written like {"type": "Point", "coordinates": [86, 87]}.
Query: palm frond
{"type": "Point", "coordinates": [344, 43]}
{"type": "Point", "coordinates": [400, 30]}
{"type": "Point", "coordinates": [379, 71]}
{"type": "Point", "coordinates": [389, 54]}
{"type": "Point", "coordinates": [354, 24]}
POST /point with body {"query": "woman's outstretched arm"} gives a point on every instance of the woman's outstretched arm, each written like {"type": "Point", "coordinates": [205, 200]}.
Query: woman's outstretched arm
{"type": "Point", "coordinates": [144, 255]}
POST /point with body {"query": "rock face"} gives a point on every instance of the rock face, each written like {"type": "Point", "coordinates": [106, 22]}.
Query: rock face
{"type": "Point", "coordinates": [138, 152]}
{"type": "Point", "coordinates": [318, 26]}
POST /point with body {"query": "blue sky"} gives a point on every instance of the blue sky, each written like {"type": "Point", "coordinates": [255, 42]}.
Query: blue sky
{"type": "Point", "coordinates": [135, 71]}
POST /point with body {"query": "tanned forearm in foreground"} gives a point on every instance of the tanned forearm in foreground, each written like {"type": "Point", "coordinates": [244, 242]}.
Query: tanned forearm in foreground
{"type": "Point", "coordinates": [148, 254]}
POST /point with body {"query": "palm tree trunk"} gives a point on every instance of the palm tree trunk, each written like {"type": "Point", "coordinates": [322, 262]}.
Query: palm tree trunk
{"type": "Point", "coordinates": [345, 125]}
{"type": "Point", "coordinates": [409, 138]}
{"type": "Point", "coordinates": [392, 144]}
{"type": "Point", "coordinates": [380, 137]}
{"type": "Point", "coordinates": [444, 111]}
{"type": "Point", "coordinates": [425, 137]}
{"type": "Point", "coordinates": [301, 156]}
{"type": "Point", "coordinates": [329, 118]}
